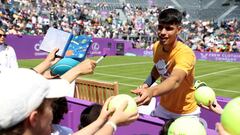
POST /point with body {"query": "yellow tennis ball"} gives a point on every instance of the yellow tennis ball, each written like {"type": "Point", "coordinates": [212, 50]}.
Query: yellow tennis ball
{"type": "Point", "coordinates": [204, 94]}
{"type": "Point", "coordinates": [118, 100]}
{"type": "Point", "coordinates": [230, 117]}
{"type": "Point", "coordinates": [186, 126]}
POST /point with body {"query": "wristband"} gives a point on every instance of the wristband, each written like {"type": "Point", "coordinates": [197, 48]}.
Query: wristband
{"type": "Point", "coordinates": [150, 80]}
{"type": "Point", "coordinates": [113, 125]}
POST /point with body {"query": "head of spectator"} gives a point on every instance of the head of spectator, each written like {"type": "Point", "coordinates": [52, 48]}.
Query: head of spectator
{"type": "Point", "coordinates": [2, 36]}
{"type": "Point", "coordinates": [60, 107]}
{"type": "Point", "coordinates": [26, 101]}
{"type": "Point", "coordinates": [89, 115]}
{"type": "Point", "coordinates": [164, 130]}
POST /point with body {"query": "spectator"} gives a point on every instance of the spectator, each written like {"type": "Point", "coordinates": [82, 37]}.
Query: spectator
{"type": "Point", "coordinates": [26, 106]}
{"type": "Point", "coordinates": [174, 63]}
{"type": "Point", "coordinates": [89, 115]}
{"type": "Point", "coordinates": [164, 130]}
{"type": "Point", "coordinates": [8, 57]}
{"type": "Point", "coordinates": [60, 107]}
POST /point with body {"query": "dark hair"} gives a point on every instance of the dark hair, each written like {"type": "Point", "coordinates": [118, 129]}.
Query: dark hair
{"type": "Point", "coordinates": [60, 107]}
{"type": "Point", "coordinates": [89, 115]}
{"type": "Point", "coordinates": [170, 16]}
{"type": "Point", "coordinates": [165, 127]}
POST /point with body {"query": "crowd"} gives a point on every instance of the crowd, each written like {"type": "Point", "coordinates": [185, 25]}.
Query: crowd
{"type": "Point", "coordinates": [139, 25]}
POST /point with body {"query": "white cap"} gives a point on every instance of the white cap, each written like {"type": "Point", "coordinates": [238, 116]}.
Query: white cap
{"type": "Point", "coordinates": [22, 91]}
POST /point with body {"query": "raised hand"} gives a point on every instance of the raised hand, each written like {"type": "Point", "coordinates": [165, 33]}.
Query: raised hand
{"type": "Point", "coordinates": [86, 67]}
{"type": "Point", "coordinates": [120, 117]}
{"type": "Point", "coordinates": [213, 106]}
{"type": "Point", "coordinates": [105, 113]}
{"type": "Point", "coordinates": [51, 58]}
{"type": "Point", "coordinates": [221, 130]}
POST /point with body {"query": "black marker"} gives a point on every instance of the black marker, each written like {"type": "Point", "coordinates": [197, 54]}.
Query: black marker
{"type": "Point", "coordinates": [98, 60]}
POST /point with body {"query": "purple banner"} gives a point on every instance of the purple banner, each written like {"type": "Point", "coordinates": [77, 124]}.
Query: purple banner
{"type": "Point", "coordinates": [139, 52]}
{"type": "Point", "coordinates": [211, 56]}
{"type": "Point", "coordinates": [26, 47]}
{"type": "Point", "coordinates": [102, 46]}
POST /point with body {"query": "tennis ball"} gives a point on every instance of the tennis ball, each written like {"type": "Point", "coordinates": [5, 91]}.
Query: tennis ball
{"type": "Point", "coordinates": [186, 125]}
{"type": "Point", "coordinates": [118, 100]}
{"type": "Point", "coordinates": [63, 66]}
{"type": "Point", "coordinates": [230, 117]}
{"type": "Point", "coordinates": [204, 94]}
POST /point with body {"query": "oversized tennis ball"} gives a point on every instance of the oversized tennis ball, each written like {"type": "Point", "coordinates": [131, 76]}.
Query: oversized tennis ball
{"type": "Point", "coordinates": [204, 94]}
{"type": "Point", "coordinates": [63, 66]}
{"type": "Point", "coordinates": [186, 125]}
{"type": "Point", "coordinates": [230, 117]}
{"type": "Point", "coordinates": [118, 100]}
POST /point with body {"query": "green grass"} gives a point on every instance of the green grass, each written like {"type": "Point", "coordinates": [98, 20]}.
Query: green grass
{"type": "Point", "coordinates": [130, 72]}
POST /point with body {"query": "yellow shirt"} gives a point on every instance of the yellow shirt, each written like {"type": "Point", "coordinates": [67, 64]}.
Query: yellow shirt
{"type": "Point", "coordinates": [180, 100]}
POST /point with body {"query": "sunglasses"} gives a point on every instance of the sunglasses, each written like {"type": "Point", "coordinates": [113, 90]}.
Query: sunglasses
{"type": "Point", "coordinates": [3, 35]}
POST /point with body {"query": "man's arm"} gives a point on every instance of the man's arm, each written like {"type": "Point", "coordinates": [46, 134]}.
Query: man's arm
{"type": "Point", "coordinates": [154, 75]}
{"type": "Point", "coordinates": [171, 83]}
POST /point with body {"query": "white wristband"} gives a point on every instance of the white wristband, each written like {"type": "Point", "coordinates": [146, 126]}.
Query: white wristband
{"type": "Point", "coordinates": [113, 125]}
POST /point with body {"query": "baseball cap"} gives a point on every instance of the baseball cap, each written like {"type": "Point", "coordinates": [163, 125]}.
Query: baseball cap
{"type": "Point", "coordinates": [22, 91]}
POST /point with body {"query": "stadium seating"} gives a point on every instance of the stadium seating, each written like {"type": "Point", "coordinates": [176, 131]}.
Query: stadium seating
{"type": "Point", "coordinates": [95, 91]}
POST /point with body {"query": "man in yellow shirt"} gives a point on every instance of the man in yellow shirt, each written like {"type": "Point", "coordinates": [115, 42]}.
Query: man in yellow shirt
{"type": "Point", "coordinates": [175, 65]}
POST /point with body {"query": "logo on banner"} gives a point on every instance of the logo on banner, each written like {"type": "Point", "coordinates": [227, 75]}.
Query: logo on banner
{"type": "Point", "coordinates": [95, 48]}
{"type": "Point", "coordinates": [37, 46]}
{"type": "Point", "coordinates": [204, 56]}
{"type": "Point", "coordinates": [38, 52]}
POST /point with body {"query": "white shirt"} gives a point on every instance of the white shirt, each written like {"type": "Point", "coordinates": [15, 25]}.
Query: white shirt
{"type": "Point", "coordinates": [8, 57]}
{"type": "Point", "coordinates": [61, 130]}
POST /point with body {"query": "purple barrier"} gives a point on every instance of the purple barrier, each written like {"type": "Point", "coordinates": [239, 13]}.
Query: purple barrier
{"type": "Point", "coordinates": [76, 106]}
{"type": "Point", "coordinates": [145, 125]}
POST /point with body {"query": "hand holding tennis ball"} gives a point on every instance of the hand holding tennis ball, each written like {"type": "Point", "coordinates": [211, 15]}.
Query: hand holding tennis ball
{"type": "Point", "coordinates": [118, 100]}
{"type": "Point", "coordinates": [204, 94]}
{"type": "Point", "coordinates": [230, 117]}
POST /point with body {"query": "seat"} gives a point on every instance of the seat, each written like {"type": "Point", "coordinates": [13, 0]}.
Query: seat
{"type": "Point", "coordinates": [94, 91]}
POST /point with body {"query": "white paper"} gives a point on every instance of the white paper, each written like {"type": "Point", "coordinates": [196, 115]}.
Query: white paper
{"type": "Point", "coordinates": [55, 38]}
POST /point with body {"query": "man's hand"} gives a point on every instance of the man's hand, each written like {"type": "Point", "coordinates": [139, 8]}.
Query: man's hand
{"type": "Point", "coordinates": [143, 86]}
{"type": "Point", "coordinates": [145, 96]}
